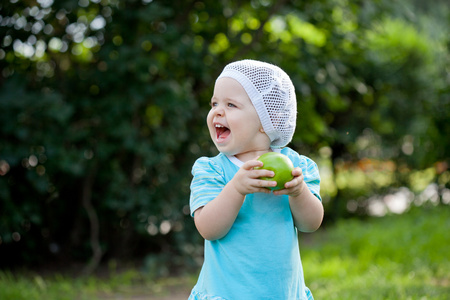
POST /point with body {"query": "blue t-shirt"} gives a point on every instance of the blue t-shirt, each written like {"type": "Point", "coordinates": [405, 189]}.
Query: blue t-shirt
{"type": "Point", "coordinates": [259, 258]}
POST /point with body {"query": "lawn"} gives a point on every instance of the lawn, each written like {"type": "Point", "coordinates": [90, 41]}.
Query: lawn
{"type": "Point", "coordinates": [394, 257]}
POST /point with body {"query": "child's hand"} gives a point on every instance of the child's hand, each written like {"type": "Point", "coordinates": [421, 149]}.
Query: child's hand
{"type": "Point", "coordinates": [294, 187]}
{"type": "Point", "coordinates": [246, 180]}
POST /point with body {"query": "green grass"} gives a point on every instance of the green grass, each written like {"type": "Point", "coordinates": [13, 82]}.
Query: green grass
{"type": "Point", "coordinates": [128, 284]}
{"type": "Point", "coordinates": [394, 257]}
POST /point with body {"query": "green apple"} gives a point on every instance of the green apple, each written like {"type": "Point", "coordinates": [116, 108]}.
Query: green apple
{"type": "Point", "coordinates": [281, 165]}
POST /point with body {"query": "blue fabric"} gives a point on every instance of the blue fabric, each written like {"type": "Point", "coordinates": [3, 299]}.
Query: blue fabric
{"type": "Point", "coordinates": [259, 258]}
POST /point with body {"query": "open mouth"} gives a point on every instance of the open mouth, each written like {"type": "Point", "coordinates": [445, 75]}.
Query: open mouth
{"type": "Point", "coordinates": [222, 132]}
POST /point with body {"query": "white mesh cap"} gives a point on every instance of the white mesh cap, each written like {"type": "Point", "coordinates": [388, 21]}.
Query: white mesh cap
{"type": "Point", "coordinates": [273, 95]}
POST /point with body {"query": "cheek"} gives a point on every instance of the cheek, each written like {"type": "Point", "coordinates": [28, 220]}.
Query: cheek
{"type": "Point", "coordinates": [209, 118]}
{"type": "Point", "coordinates": [253, 122]}
{"type": "Point", "coordinates": [209, 122]}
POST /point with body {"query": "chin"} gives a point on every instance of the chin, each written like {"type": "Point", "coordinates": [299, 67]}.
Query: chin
{"type": "Point", "coordinates": [226, 151]}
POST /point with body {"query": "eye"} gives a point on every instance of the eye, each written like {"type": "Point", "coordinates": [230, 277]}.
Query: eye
{"type": "Point", "coordinates": [213, 103]}
{"type": "Point", "coordinates": [231, 105]}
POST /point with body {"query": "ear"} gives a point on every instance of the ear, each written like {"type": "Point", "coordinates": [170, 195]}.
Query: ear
{"type": "Point", "coordinates": [261, 130]}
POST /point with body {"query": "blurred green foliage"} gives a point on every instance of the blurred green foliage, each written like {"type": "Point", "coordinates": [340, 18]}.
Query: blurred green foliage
{"type": "Point", "coordinates": [104, 102]}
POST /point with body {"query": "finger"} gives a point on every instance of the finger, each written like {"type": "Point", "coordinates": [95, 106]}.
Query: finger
{"type": "Point", "coordinates": [262, 173]}
{"type": "Point", "coordinates": [265, 183]}
{"type": "Point", "coordinates": [297, 172]}
{"type": "Point", "coordinates": [294, 182]}
{"type": "Point", "coordinates": [263, 190]}
{"type": "Point", "coordinates": [281, 192]}
{"type": "Point", "coordinates": [286, 190]}
{"type": "Point", "coordinates": [252, 164]}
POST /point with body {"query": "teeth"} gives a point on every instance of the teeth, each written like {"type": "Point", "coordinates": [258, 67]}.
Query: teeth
{"type": "Point", "coordinates": [219, 126]}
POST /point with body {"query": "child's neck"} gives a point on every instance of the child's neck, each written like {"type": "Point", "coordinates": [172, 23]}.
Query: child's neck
{"type": "Point", "coordinates": [250, 155]}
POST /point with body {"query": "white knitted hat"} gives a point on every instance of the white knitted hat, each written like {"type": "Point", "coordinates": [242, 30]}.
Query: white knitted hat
{"type": "Point", "coordinates": [273, 95]}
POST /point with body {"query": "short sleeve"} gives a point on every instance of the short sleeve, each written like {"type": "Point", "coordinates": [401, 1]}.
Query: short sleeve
{"type": "Point", "coordinates": [311, 176]}
{"type": "Point", "coordinates": [309, 168]}
{"type": "Point", "coordinates": [207, 183]}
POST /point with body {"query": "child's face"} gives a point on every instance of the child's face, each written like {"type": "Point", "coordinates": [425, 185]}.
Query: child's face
{"type": "Point", "coordinates": [233, 123]}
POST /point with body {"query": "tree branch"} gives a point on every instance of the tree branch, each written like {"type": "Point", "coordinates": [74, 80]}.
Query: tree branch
{"type": "Point", "coordinates": [93, 221]}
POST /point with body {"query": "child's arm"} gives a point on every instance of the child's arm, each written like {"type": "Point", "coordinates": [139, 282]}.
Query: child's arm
{"type": "Point", "coordinates": [307, 209]}
{"type": "Point", "coordinates": [214, 220]}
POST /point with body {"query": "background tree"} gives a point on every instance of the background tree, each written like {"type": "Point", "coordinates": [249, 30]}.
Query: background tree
{"type": "Point", "coordinates": [103, 106]}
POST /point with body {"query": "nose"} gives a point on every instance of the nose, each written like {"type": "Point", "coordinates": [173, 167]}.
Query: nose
{"type": "Point", "coordinates": [219, 111]}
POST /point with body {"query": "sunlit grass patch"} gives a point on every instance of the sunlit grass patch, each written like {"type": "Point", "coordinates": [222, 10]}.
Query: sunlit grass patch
{"type": "Point", "coordinates": [37, 287]}
{"type": "Point", "coordinates": [127, 284]}
{"type": "Point", "coordinates": [395, 257]}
